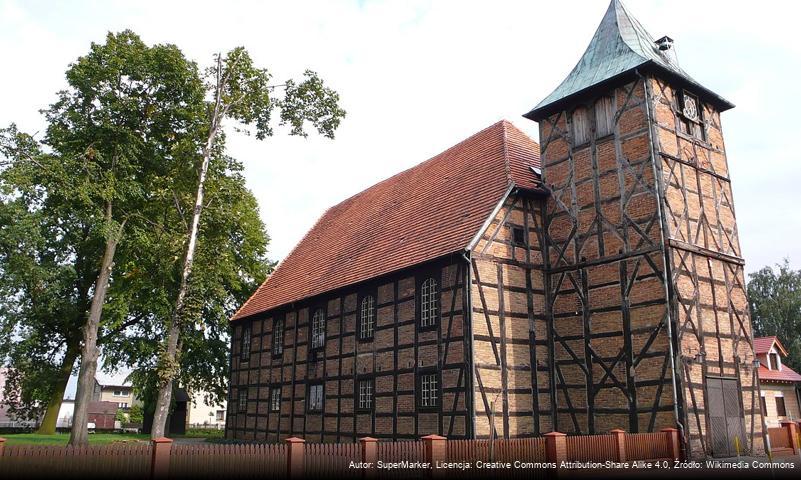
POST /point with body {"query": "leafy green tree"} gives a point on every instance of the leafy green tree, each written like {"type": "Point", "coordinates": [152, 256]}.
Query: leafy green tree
{"type": "Point", "coordinates": [774, 298]}
{"type": "Point", "coordinates": [121, 416]}
{"type": "Point", "coordinates": [111, 136]}
{"type": "Point", "coordinates": [231, 254]}
{"type": "Point", "coordinates": [136, 415]}
{"type": "Point", "coordinates": [126, 107]}
{"type": "Point", "coordinates": [46, 254]}
{"type": "Point", "coordinates": [239, 92]}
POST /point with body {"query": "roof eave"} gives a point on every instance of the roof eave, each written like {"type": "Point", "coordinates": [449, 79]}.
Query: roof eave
{"type": "Point", "coordinates": [543, 111]}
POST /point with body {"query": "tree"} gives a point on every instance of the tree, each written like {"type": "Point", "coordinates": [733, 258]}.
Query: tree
{"type": "Point", "coordinates": [774, 299]}
{"type": "Point", "coordinates": [135, 414]}
{"type": "Point", "coordinates": [111, 135]}
{"type": "Point", "coordinates": [45, 279]}
{"type": "Point", "coordinates": [121, 416]}
{"type": "Point", "coordinates": [231, 254]}
{"type": "Point", "coordinates": [241, 92]}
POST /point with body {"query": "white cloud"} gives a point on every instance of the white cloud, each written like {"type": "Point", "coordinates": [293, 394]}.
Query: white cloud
{"type": "Point", "coordinates": [417, 77]}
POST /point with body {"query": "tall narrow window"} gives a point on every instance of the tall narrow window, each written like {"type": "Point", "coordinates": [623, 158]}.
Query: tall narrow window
{"type": "Point", "coordinates": [604, 117]}
{"type": "Point", "coordinates": [315, 400]}
{"type": "Point", "coordinates": [781, 411]}
{"type": "Point", "coordinates": [278, 336]}
{"type": "Point", "coordinates": [365, 394]}
{"type": "Point", "coordinates": [774, 362]}
{"type": "Point", "coordinates": [429, 393]}
{"type": "Point", "coordinates": [367, 319]}
{"type": "Point", "coordinates": [244, 352]}
{"type": "Point", "coordinates": [764, 406]}
{"type": "Point", "coordinates": [318, 328]}
{"type": "Point", "coordinates": [243, 400]}
{"type": "Point", "coordinates": [275, 399]}
{"type": "Point", "coordinates": [581, 127]}
{"type": "Point", "coordinates": [428, 303]}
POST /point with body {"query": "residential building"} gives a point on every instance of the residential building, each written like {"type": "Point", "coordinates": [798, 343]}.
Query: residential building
{"type": "Point", "coordinates": [202, 414]}
{"type": "Point", "coordinates": [120, 393]}
{"type": "Point", "coordinates": [589, 282]}
{"type": "Point", "coordinates": [779, 384]}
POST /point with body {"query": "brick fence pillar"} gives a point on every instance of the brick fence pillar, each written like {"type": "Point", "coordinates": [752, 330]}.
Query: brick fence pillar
{"type": "Point", "coordinates": [673, 442]}
{"type": "Point", "coordinates": [620, 444]}
{"type": "Point", "coordinates": [436, 449]}
{"type": "Point", "coordinates": [160, 459]}
{"type": "Point", "coordinates": [792, 432]}
{"type": "Point", "coordinates": [294, 457]}
{"type": "Point", "coordinates": [556, 448]}
{"type": "Point", "coordinates": [2, 445]}
{"type": "Point", "coordinates": [369, 456]}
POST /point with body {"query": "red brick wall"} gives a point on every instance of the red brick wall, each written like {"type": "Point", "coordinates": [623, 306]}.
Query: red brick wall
{"type": "Point", "coordinates": [608, 301]}
{"type": "Point", "coordinates": [393, 358]}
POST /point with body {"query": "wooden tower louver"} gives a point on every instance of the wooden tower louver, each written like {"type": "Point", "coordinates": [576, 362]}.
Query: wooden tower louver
{"type": "Point", "coordinates": [645, 292]}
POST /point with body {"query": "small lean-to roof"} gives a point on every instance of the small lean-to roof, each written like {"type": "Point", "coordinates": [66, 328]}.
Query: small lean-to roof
{"type": "Point", "coordinates": [619, 46]}
{"type": "Point", "coordinates": [426, 212]}
{"type": "Point", "coordinates": [786, 374]}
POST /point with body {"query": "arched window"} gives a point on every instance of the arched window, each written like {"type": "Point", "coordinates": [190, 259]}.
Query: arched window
{"type": "Point", "coordinates": [367, 319]}
{"type": "Point", "coordinates": [428, 303]}
{"type": "Point", "coordinates": [318, 328]}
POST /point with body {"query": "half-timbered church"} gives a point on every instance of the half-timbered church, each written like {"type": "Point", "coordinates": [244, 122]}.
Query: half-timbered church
{"type": "Point", "coordinates": [589, 282]}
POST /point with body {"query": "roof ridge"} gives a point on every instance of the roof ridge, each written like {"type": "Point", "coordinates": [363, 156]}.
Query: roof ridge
{"type": "Point", "coordinates": [386, 226]}
{"type": "Point", "coordinates": [440, 154]}
{"type": "Point", "coordinates": [505, 140]}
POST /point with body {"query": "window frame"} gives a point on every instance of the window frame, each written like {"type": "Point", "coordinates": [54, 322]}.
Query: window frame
{"type": "Point", "coordinates": [278, 321]}
{"type": "Point", "coordinates": [420, 381]}
{"type": "Point", "coordinates": [311, 386]}
{"type": "Point", "coordinates": [515, 241]}
{"type": "Point", "coordinates": [312, 327]}
{"type": "Point", "coordinates": [584, 126]}
{"type": "Point", "coordinates": [245, 341]}
{"type": "Point", "coordinates": [220, 415]}
{"type": "Point", "coordinates": [242, 400]}
{"type": "Point", "coordinates": [373, 311]}
{"type": "Point", "coordinates": [434, 324]}
{"type": "Point", "coordinates": [697, 124]}
{"type": "Point", "coordinates": [370, 380]}
{"type": "Point", "coordinates": [609, 115]}
{"type": "Point", "coordinates": [781, 407]}
{"type": "Point", "coordinates": [764, 405]}
{"type": "Point", "coordinates": [274, 397]}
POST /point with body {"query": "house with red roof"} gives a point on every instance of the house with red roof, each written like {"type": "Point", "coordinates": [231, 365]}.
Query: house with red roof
{"type": "Point", "coordinates": [780, 385]}
{"type": "Point", "coordinates": [505, 287]}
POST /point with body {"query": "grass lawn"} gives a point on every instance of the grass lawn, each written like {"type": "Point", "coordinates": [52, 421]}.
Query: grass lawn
{"type": "Point", "coordinates": [62, 438]}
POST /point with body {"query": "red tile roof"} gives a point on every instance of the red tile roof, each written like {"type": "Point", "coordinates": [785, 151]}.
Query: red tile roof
{"type": "Point", "coordinates": [425, 212]}
{"type": "Point", "coordinates": [764, 344]}
{"type": "Point", "coordinates": [786, 374]}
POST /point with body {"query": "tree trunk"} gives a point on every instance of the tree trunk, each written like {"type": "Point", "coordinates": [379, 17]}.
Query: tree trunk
{"type": "Point", "coordinates": [89, 352]}
{"type": "Point", "coordinates": [169, 362]}
{"type": "Point", "coordinates": [48, 425]}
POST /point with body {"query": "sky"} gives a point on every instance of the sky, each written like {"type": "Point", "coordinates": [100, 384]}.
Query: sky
{"type": "Point", "coordinates": [419, 76]}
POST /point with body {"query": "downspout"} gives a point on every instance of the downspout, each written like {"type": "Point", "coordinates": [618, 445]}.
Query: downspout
{"type": "Point", "coordinates": [665, 258]}
{"type": "Point", "coordinates": [466, 255]}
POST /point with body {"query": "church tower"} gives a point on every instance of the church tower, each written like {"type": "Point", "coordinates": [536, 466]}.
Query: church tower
{"type": "Point", "coordinates": [645, 291]}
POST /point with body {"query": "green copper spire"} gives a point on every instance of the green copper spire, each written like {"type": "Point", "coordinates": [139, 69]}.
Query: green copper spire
{"type": "Point", "coordinates": [620, 45]}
